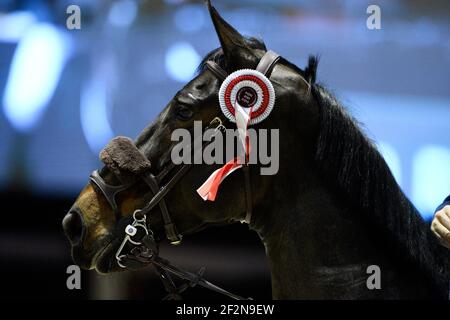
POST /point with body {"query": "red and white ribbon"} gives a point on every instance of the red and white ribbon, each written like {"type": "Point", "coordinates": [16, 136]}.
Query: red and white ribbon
{"type": "Point", "coordinates": [246, 97]}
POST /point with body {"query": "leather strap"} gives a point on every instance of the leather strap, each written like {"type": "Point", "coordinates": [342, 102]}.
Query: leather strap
{"type": "Point", "coordinates": [217, 70]}
{"type": "Point", "coordinates": [169, 227]}
{"type": "Point", "coordinates": [265, 66]}
{"type": "Point", "coordinates": [194, 279]}
{"type": "Point", "coordinates": [109, 191]}
{"type": "Point", "coordinates": [248, 194]}
{"type": "Point", "coordinates": [267, 63]}
{"type": "Point", "coordinates": [171, 289]}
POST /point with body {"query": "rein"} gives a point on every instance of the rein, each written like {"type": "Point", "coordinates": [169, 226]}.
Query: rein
{"type": "Point", "coordinates": [139, 234]}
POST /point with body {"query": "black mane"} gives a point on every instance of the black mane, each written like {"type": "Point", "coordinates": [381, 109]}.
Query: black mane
{"type": "Point", "coordinates": [361, 176]}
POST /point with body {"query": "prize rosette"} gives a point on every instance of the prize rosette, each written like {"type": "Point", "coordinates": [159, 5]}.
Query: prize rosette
{"type": "Point", "coordinates": [249, 89]}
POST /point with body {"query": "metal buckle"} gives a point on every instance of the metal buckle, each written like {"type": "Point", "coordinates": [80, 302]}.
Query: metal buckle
{"type": "Point", "coordinates": [219, 127]}
{"type": "Point", "coordinates": [216, 119]}
{"type": "Point", "coordinates": [130, 232]}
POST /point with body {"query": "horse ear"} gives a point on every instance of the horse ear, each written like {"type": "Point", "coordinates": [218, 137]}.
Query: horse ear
{"type": "Point", "coordinates": [233, 44]}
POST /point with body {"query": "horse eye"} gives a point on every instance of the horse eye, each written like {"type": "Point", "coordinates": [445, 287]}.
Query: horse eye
{"type": "Point", "coordinates": [184, 113]}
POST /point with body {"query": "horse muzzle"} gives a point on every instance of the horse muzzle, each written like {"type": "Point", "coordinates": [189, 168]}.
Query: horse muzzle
{"type": "Point", "coordinates": [75, 231]}
{"type": "Point", "coordinates": [74, 227]}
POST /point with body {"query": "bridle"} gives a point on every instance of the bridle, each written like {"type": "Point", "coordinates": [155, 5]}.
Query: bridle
{"type": "Point", "coordinates": [139, 234]}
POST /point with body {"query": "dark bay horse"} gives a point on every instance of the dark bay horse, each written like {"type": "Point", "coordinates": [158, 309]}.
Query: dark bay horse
{"type": "Point", "coordinates": [332, 210]}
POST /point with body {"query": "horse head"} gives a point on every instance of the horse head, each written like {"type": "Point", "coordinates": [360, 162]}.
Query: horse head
{"type": "Point", "coordinates": [95, 224]}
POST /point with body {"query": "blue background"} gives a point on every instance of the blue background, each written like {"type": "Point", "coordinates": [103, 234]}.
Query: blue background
{"type": "Point", "coordinates": [65, 93]}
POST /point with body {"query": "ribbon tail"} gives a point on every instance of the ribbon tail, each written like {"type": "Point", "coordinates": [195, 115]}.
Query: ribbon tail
{"type": "Point", "coordinates": [208, 190]}
{"type": "Point", "coordinates": [242, 120]}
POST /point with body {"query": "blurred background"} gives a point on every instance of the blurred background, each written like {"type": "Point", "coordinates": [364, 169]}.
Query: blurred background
{"type": "Point", "coordinates": [65, 93]}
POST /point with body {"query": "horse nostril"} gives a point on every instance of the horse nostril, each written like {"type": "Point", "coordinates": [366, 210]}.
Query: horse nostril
{"type": "Point", "coordinates": [73, 227]}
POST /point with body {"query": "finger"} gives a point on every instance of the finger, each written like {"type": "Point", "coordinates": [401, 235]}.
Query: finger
{"type": "Point", "coordinates": [433, 229]}
{"type": "Point", "coordinates": [442, 233]}
{"type": "Point", "coordinates": [447, 210]}
{"type": "Point", "coordinates": [444, 217]}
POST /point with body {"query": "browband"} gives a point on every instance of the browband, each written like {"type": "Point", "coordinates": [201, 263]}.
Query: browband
{"type": "Point", "coordinates": [265, 65]}
{"type": "Point", "coordinates": [218, 71]}
{"type": "Point", "coordinates": [267, 62]}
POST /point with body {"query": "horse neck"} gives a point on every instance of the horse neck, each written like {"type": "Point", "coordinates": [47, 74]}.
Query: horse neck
{"type": "Point", "coordinates": [297, 232]}
{"type": "Point", "coordinates": [319, 248]}
{"type": "Point", "coordinates": [310, 241]}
